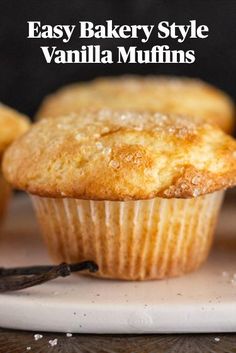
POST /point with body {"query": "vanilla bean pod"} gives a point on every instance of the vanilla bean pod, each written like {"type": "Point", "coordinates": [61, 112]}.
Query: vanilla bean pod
{"type": "Point", "coordinates": [13, 279]}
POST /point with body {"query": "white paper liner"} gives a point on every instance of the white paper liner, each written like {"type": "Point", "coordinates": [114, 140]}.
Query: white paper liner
{"type": "Point", "coordinates": [5, 192]}
{"type": "Point", "coordinates": [135, 240]}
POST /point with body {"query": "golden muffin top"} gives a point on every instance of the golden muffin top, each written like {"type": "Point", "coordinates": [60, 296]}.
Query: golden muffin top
{"type": "Point", "coordinates": [12, 125]}
{"type": "Point", "coordinates": [107, 155]}
{"type": "Point", "coordinates": [186, 96]}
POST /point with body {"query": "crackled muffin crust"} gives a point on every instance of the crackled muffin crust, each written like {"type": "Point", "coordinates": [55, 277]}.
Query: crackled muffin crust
{"type": "Point", "coordinates": [149, 93]}
{"type": "Point", "coordinates": [12, 125]}
{"type": "Point", "coordinates": [109, 155]}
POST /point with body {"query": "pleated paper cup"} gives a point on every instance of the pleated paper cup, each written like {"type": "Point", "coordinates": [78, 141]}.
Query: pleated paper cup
{"type": "Point", "coordinates": [5, 192]}
{"type": "Point", "coordinates": [131, 240]}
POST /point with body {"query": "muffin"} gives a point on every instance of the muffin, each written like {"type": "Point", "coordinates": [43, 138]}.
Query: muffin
{"type": "Point", "coordinates": [137, 193]}
{"type": "Point", "coordinates": [12, 125]}
{"type": "Point", "coordinates": [151, 93]}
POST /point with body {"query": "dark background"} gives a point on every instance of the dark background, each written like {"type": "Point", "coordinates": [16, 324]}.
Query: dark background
{"type": "Point", "coordinates": [25, 77]}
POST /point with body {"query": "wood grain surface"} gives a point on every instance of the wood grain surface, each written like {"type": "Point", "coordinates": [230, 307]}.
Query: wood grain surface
{"type": "Point", "coordinates": [18, 342]}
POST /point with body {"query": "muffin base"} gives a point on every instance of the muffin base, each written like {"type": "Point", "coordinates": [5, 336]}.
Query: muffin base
{"type": "Point", "coordinates": [131, 240]}
{"type": "Point", "coordinates": [5, 192]}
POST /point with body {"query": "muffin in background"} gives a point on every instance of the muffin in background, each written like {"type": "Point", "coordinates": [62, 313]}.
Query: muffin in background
{"type": "Point", "coordinates": [137, 193]}
{"type": "Point", "coordinates": [12, 125]}
{"type": "Point", "coordinates": [178, 95]}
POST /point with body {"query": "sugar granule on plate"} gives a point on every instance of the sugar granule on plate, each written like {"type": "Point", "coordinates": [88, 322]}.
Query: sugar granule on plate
{"type": "Point", "coordinates": [225, 274]}
{"type": "Point", "coordinates": [37, 337]}
{"type": "Point", "coordinates": [53, 342]}
{"type": "Point", "coordinates": [217, 339]}
{"type": "Point", "coordinates": [69, 334]}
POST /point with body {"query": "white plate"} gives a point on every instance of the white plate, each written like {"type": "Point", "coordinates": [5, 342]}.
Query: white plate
{"type": "Point", "coordinates": [204, 301]}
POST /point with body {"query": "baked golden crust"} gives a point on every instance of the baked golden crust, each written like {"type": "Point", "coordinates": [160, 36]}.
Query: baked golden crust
{"type": "Point", "coordinates": [109, 155]}
{"type": "Point", "coordinates": [12, 125]}
{"type": "Point", "coordinates": [185, 96]}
